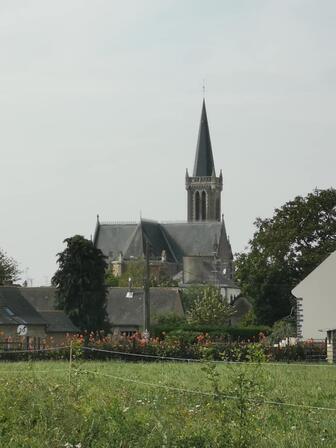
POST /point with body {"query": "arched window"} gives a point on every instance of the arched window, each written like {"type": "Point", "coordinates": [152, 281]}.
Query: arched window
{"type": "Point", "coordinates": [203, 208]}
{"type": "Point", "coordinates": [197, 206]}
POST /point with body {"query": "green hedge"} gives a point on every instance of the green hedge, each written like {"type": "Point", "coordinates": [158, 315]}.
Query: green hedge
{"type": "Point", "coordinates": [229, 333]}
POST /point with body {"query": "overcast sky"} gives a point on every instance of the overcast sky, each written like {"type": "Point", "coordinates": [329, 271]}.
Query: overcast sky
{"type": "Point", "coordinates": [101, 100]}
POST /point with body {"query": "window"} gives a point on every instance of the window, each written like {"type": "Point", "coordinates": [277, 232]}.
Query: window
{"type": "Point", "coordinates": [128, 333]}
{"type": "Point", "coordinates": [8, 311]}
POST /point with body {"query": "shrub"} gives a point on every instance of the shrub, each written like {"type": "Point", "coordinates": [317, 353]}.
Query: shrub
{"type": "Point", "coordinates": [216, 331]}
{"type": "Point", "coordinates": [209, 308]}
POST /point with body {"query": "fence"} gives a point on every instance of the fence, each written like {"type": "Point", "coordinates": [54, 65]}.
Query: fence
{"type": "Point", "coordinates": [22, 343]}
{"type": "Point", "coordinates": [311, 351]}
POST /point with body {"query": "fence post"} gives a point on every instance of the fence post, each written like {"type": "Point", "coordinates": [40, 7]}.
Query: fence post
{"type": "Point", "coordinates": [70, 362]}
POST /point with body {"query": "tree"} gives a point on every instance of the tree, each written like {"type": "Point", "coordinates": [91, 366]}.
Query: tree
{"type": "Point", "coordinates": [110, 279]}
{"type": "Point", "coordinates": [209, 308]}
{"type": "Point", "coordinates": [284, 250]}
{"type": "Point", "coordinates": [135, 269]}
{"type": "Point", "coordinates": [9, 271]}
{"type": "Point", "coordinates": [282, 329]}
{"type": "Point", "coordinates": [80, 283]}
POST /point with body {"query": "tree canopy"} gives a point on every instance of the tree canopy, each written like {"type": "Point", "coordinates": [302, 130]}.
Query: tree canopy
{"type": "Point", "coordinates": [209, 307]}
{"type": "Point", "coordinates": [135, 269]}
{"type": "Point", "coordinates": [9, 271]}
{"type": "Point", "coordinates": [80, 283]}
{"type": "Point", "coordinates": [284, 250]}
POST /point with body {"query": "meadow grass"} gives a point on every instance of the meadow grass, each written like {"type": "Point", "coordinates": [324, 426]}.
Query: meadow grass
{"type": "Point", "coordinates": [40, 406]}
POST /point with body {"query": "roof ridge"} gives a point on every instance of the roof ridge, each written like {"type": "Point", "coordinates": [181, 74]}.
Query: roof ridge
{"type": "Point", "coordinates": [111, 223]}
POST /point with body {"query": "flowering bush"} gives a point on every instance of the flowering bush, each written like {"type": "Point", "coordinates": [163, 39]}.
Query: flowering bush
{"type": "Point", "coordinates": [178, 345]}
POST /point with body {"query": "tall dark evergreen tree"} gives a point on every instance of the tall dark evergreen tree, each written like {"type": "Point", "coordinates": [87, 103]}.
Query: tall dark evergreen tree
{"type": "Point", "coordinates": [9, 271]}
{"type": "Point", "coordinates": [284, 250]}
{"type": "Point", "coordinates": [80, 283]}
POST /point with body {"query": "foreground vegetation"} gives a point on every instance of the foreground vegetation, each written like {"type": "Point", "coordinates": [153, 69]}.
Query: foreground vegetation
{"type": "Point", "coordinates": [41, 405]}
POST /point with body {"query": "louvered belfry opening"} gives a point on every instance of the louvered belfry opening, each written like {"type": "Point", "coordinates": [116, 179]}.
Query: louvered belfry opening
{"type": "Point", "coordinates": [204, 205]}
{"type": "Point", "coordinates": [197, 206]}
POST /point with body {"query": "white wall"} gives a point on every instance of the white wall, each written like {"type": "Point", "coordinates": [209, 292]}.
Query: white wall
{"type": "Point", "coordinates": [227, 292]}
{"type": "Point", "coordinates": [318, 293]}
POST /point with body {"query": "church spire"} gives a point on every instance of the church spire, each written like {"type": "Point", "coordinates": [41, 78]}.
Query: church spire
{"type": "Point", "coordinates": [204, 163]}
{"type": "Point", "coordinates": [204, 187]}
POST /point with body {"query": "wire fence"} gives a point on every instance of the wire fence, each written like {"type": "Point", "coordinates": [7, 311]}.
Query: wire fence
{"type": "Point", "coordinates": [213, 395]}
{"type": "Point", "coordinates": [13, 351]}
{"type": "Point", "coordinates": [71, 368]}
{"type": "Point", "coordinates": [116, 354]}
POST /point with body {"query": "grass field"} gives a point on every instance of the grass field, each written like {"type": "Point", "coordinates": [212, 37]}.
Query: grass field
{"type": "Point", "coordinates": [40, 406]}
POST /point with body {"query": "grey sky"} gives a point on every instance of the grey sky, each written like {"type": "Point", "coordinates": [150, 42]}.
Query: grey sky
{"type": "Point", "coordinates": [101, 101]}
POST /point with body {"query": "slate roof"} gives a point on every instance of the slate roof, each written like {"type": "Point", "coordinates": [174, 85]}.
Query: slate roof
{"type": "Point", "coordinates": [125, 311]}
{"type": "Point", "coordinates": [15, 309]}
{"type": "Point", "coordinates": [204, 162]}
{"type": "Point", "coordinates": [114, 238]}
{"type": "Point", "coordinates": [177, 239]}
{"type": "Point", "coordinates": [194, 238]}
{"type": "Point", "coordinates": [41, 298]}
{"type": "Point", "coordinates": [41, 303]}
{"type": "Point", "coordinates": [58, 322]}
{"type": "Point", "coordinates": [121, 310]}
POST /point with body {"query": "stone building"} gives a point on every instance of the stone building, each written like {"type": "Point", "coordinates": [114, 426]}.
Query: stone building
{"type": "Point", "coordinates": [28, 316]}
{"type": "Point", "coordinates": [194, 252]}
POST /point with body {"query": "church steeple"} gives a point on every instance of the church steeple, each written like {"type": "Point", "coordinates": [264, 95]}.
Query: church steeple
{"type": "Point", "coordinates": [204, 163]}
{"type": "Point", "coordinates": [204, 188]}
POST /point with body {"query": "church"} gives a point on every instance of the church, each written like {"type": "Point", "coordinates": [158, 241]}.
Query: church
{"type": "Point", "coordinates": [197, 251]}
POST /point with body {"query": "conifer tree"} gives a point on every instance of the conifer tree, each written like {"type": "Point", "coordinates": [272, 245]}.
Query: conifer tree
{"type": "Point", "coordinates": [80, 283]}
{"type": "Point", "coordinates": [9, 271]}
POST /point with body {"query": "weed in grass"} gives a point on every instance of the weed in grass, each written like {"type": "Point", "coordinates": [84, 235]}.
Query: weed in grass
{"type": "Point", "coordinates": [238, 404]}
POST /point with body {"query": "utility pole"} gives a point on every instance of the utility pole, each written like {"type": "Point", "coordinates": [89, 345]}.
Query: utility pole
{"type": "Point", "coordinates": [216, 279]}
{"type": "Point", "coordinates": [146, 295]}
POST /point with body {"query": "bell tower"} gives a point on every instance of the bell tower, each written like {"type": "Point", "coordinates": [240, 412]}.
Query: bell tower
{"type": "Point", "coordinates": [203, 187]}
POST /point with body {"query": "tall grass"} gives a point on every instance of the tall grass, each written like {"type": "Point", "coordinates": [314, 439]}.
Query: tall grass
{"type": "Point", "coordinates": [40, 407]}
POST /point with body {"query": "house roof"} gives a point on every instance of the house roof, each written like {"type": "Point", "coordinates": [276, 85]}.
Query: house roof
{"type": "Point", "coordinates": [204, 163]}
{"type": "Point", "coordinates": [129, 311]}
{"type": "Point", "coordinates": [323, 273]}
{"type": "Point", "coordinates": [121, 310]}
{"type": "Point", "coordinates": [58, 322]}
{"type": "Point", "coordinates": [15, 309]}
{"type": "Point", "coordinates": [41, 298]}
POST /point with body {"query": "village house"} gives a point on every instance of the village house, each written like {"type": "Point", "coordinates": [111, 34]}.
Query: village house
{"type": "Point", "coordinates": [124, 308]}
{"type": "Point", "coordinates": [316, 300]}
{"type": "Point", "coordinates": [22, 322]}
